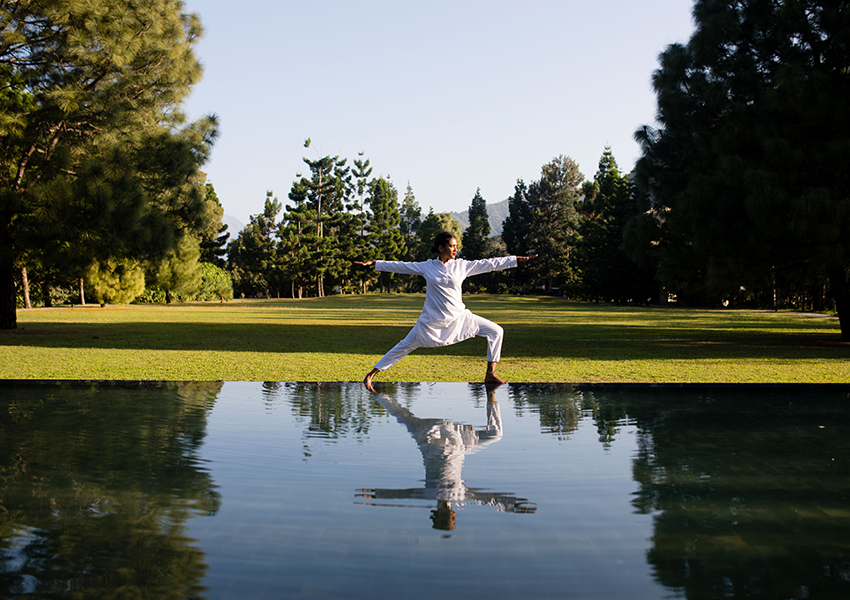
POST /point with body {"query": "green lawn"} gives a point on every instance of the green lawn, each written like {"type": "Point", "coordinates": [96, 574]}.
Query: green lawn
{"type": "Point", "coordinates": [339, 339]}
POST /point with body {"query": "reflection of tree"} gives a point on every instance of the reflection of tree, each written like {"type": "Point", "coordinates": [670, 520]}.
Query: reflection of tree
{"type": "Point", "coordinates": [330, 410]}
{"type": "Point", "coordinates": [444, 445]}
{"type": "Point", "coordinates": [609, 416]}
{"type": "Point", "coordinates": [97, 484]}
{"type": "Point", "coordinates": [560, 411]}
{"type": "Point", "coordinates": [750, 497]}
{"type": "Point", "coordinates": [562, 408]}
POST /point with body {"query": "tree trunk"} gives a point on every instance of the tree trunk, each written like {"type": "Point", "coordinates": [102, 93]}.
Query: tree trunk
{"type": "Point", "coordinates": [25, 283]}
{"type": "Point", "coordinates": [841, 293]}
{"type": "Point", "coordinates": [8, 314]}
{"type": "Point", "coordinates": [82, 292]}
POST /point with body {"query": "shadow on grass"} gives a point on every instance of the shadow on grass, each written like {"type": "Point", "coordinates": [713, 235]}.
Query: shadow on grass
{"type": "Point", "coordinates": [564, 340]}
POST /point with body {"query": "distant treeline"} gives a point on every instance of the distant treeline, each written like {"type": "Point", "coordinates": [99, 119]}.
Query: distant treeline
{"type": "Point", "coordinates": [341, 214]}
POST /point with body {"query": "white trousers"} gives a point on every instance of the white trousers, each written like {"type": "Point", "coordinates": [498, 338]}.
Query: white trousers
{"type": "Point", "coordinates": [483, 328]}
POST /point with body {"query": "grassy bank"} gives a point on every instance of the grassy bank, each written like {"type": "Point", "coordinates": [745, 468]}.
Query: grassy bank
{"type": "Point", "coordinates": [339, 338]}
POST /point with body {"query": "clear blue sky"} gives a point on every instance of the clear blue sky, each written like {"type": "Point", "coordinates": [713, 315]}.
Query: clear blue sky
{"type": "Point", "coordinates": [450, 96]}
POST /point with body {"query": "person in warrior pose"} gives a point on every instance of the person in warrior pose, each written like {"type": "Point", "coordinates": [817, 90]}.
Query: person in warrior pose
{"type": "Point", "coordinates": [444, 319]}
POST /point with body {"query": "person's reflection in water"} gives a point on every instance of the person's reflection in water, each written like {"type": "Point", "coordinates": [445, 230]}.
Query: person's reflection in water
{"type": "Point", "coordinates": [444, 445]}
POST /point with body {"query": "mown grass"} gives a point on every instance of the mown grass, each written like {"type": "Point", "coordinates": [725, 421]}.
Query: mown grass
{"type": "Point", "coordinates": [339, 338]}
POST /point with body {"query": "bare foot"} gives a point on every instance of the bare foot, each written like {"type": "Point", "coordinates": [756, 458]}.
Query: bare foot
{"type": "Point", "coordinates": [367, 381]}
{"type": "Point", "coordinates": [491, 379]}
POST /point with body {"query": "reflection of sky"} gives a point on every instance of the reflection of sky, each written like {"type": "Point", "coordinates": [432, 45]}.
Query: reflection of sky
{"type": "Point", "coordinates": [293, 513]}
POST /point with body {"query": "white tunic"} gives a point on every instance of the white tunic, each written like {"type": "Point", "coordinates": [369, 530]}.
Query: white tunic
{"type": "Point", "coordinates": [445, 319]}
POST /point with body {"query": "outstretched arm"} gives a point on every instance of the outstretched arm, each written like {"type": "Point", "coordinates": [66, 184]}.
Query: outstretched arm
{"type": "Point", "coordinates": [488, 265]}
{"type": "Point", "coordinates": [393, 266]}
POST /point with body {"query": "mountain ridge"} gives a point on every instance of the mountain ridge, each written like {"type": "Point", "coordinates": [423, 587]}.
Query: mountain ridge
{"type": "Point", "coordinates": [496, 215]}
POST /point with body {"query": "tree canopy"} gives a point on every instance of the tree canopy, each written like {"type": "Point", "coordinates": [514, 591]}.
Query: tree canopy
{"type": "Point", "coordinates": [746, 181]}
{"type": "Point", "coordinates": [543, 219]}
{"type": "Point", "coordinates": [97, 162]}
{"type": "Point", "coordinates": [605, 269]}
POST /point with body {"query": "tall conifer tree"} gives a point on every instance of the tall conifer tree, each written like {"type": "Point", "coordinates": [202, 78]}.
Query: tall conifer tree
{"type": "Point", "coordinates": [384, 218]}
{"type": "Point", "coordinates": [214, 243]}
{"type": "Point", "coordinates": [476, 234]}
{"type": "Point", "coordinates": [517, 225]}
{"type": "Point", "coordinates": [410, 221]}
{"type": "Point", "coordinates": [253, 256]}
{"type": "Point", "coordinates": [328, 187]}
{"type": "Point", "coordinates": [604, 268]}
{"type": "Point", "coordinates": [554, 219]}
{"type": "Point", "coordinates": [428, 230]}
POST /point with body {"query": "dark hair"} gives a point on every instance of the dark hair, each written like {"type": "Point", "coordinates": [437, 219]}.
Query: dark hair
{"type": "Point", "coordinates": [443, 238]}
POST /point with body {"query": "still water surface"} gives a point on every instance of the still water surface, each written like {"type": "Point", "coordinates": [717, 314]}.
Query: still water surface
{"type": "Point", "coordinates": [281, 490]}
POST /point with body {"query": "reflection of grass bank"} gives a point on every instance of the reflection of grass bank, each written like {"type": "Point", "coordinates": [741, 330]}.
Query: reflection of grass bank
{"type": "Point", "coordinates": [340, 337]}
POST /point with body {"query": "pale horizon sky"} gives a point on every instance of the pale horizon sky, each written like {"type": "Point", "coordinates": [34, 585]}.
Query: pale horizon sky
{"type": "Point", "coordinates": [449, 96]}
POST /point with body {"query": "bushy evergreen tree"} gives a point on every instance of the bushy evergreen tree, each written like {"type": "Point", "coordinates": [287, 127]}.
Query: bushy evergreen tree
{"type": "Point", "coordinates": [429, 228]}
{"type": "Point", "coordinates": [253, 258]}
{"type": "Point", "coordinates": [476, 234]}
{"type": "Point", "coordinates": [215, 284]}
{"type": "Point", "coordinates": [179, 272]}
{"type": "Point", "coordinates": [747, 180]}
{"type": "Point", "coordinates": [214, 243]}
{"type": "Point", "coordinates": [550, 206]}
{"type": "Point", "coordinates": [116, 281]}
{"type": "Point", "coordinates": [516, 226]}
{"type": "Point", "coordinates": [605, 269]}
{"type": "Point", "coordinates": [449, 223]}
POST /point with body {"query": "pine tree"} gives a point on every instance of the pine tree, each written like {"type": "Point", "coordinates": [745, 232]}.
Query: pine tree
{"type": "Point", "coordinates": [450, 224]}
{"type": "Point", "coordinates": [297, 240]}
{"type": "Point", "coordinates": [362, 171]}
{"type": "Point", "coordinates": [410, 220]}
{"type": "Point", "coordinates": [328, 188]}
{"type": "Point", "coordinates": [214, 244]}
{"type": "Point", "coordinates": [95, 160]}
{"type": "Point", "coordinates": [553, 220]}
{"type": "Point", "coordinates": [384, 218]}
{"type": "Point", "coordinates": [116, 281]}
{"type": "Point", "coordinates": [604, 268]}
{"type": "Point", "coordinates": [429, 228]}
{"type": "Point", "coordinates": [179, 272]}
{"type": "Point", "coordinates": [253, 257]}
{"type": "Point", "coordinates": [517, 225]}
{"type": "Point", "coordinates": [476, 234]}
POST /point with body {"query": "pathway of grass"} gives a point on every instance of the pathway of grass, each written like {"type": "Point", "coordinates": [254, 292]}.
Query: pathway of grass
{"type": "Point", "coordinates": [339, 338]}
